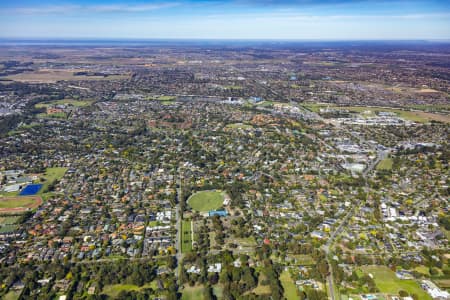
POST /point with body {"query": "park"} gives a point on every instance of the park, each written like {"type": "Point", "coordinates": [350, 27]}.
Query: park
{"type": "Point", "coordinates": [205, 201]}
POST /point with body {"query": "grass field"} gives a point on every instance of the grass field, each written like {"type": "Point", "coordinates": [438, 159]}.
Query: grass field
{"type": "Point", "coordinates": [186, 237]}
{"type": "Point", "coordinates": [9, 220]}
{"type": "Point", "coordinates": [290, 290]}
{"type": "Point", "coordinates": [233, 87]}
{"type": "Point", "coordinates": [192, 293]}
{"type": "Point", "coordinates": [113, 290]}
{"type": "Point", "coordinates": [385, 164]}
{"type": "Point", "coordinates": [166, 98]}
{"type": "Point", "coordinates": [12, 295]}
{"type": "Point", "coordinates": [304, 259]}
{"type": "Point", "coordinates": [443, 283]}
{"type": "Point", "coordinates": [239, 126]}
{"type": "Point", "coordinates": [265, 103]}
{"type": "Point", "coordinates": [8, 194]}
{"type": "Point", "coordinates": [16, 202]}
{"type": "Point", "coordinates": [416, 116]}
{"type": "Point", "coordinates": [245, 242]}
{"type": "Point", "coordinates": [50, 175]}
{"type": "Point", "coordinates": [262, 290]}
{"type": "Point", "coordinates": [162, 98]}
{"type": "Point", "coordinates": [432, 107]}
{"type": "Point", "coordinates": [388, 283]}
{"type": "Point", "coordinates": [7, 228]}
{"type": "Point", "coordinates": [73, 102]}
{"type": "Point", "coordinates": [167, 102]}
{"type": "Point", "coordinates": [54, 75]}
{"type": "Point", "coordinates": [218, 291]}
{"type": "Point", "coordinates": [422, 269]}
{"type": "Point", "coordinates": [58, 115]}
{"type": "Point", "coordinates": [205, 201]}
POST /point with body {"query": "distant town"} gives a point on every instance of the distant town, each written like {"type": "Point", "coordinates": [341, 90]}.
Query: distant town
{"type": "Point", "coordinates": [278, 171]}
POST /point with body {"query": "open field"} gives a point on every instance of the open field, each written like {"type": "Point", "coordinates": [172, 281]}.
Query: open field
{"type": "Point", "coordinates": [192, 293]}
{"type": "Point", "coordinates": [8, 228]}
{"type": "Point", "coordinates": [385, 164]}
{"type": "Point", "coordinates": [9, 223]}
{"type": "Point", "coordinates": [443, 283]}
{"type": "Point", "coordinates": [265, 103]}
{"type": "Point", "coordinates": [162, 98]}
{"type": "Point", "coordinates": [433, 117]}
{"type": "Point", "coordinates": [432, 107]}
{"type": "Point", "coordinates": [54, 75]}
{"type": "Point", "coordinates": [218, 291]}
{"type": "Point", "coordinates": [262, 290]}
{"type": "Point", "coordinates": [8, 220]}
{"type": "Point", "coordinates": [304, 259]}
{"type": "Point", "coordinates": [205, 201]}
{"type": "Point", "coordinates": [72, 102]}
{"type": "Point", "coordinates": [113, 290]}
{"type": "Point", "coordinates": [388, 283]}
{"type": "Point", "coordinates": [12, 295]}
{"type": "Point", "coordinates": [166, 98]}
{"type": "Point", "coordinates": [167, 102]}
{"type": "Point", "coordinates": [19, 204]}
{"type": "Point", "coordinates": [233, 87]}
{"type": "Point", "coordinates": [422, 269]}
{"type": "Point", "coordinates": [239, 126]}
{"type": "Point", "coordinates": [186, 237]}
{"type": "Point", "coordinates": [16, 202]}
{"type": "Point", "coordinates": [58, 115]}
{"type": "Point", "coordinates": [50, 175]}
{"type": "Point", "coordinates": [8, 194]}
{"type": "Point", "coordinates": [416, 116]}
{"type": "Point", "coordinates": [290, 290]}
{"type": "Point", "coordinates": [245, 242]}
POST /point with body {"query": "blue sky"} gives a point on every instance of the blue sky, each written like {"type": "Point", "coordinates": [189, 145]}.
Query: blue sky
{"type": "Point", "coordinates": [229, 19]}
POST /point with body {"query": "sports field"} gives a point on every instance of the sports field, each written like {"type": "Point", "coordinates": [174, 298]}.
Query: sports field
{"type": "Point", "coordinates": [8, 228]}
{"type": "Point", "coordinates": [19, 204]}
{"type": "Point", "coordinates": [31, 189]}
{"type": "Point", "coordinates": [8, 220]}
{"type": "Point", "coordinates": [9, 223]}
{"type": "Point", "coordinates": [388, 283]}
{"type": "Point", "coordinates": [205, 201]}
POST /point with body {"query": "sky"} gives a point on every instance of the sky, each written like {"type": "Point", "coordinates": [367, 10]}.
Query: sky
{"type": "Point", "coordinates": [227, 19]}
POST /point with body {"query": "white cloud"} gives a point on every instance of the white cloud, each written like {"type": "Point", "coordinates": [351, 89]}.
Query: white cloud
{"type": "Point", "coordinates": [52, 9]}
{"type": "Point", "coordinates": [293, 16]}
{"type": "Point", "coordinates": [113, 8]}
{"type": "Point", "coordinates": [132, 8]}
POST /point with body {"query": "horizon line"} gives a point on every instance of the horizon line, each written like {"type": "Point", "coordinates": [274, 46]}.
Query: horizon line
{"type": "Point", "coordinates": [120, 39]}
